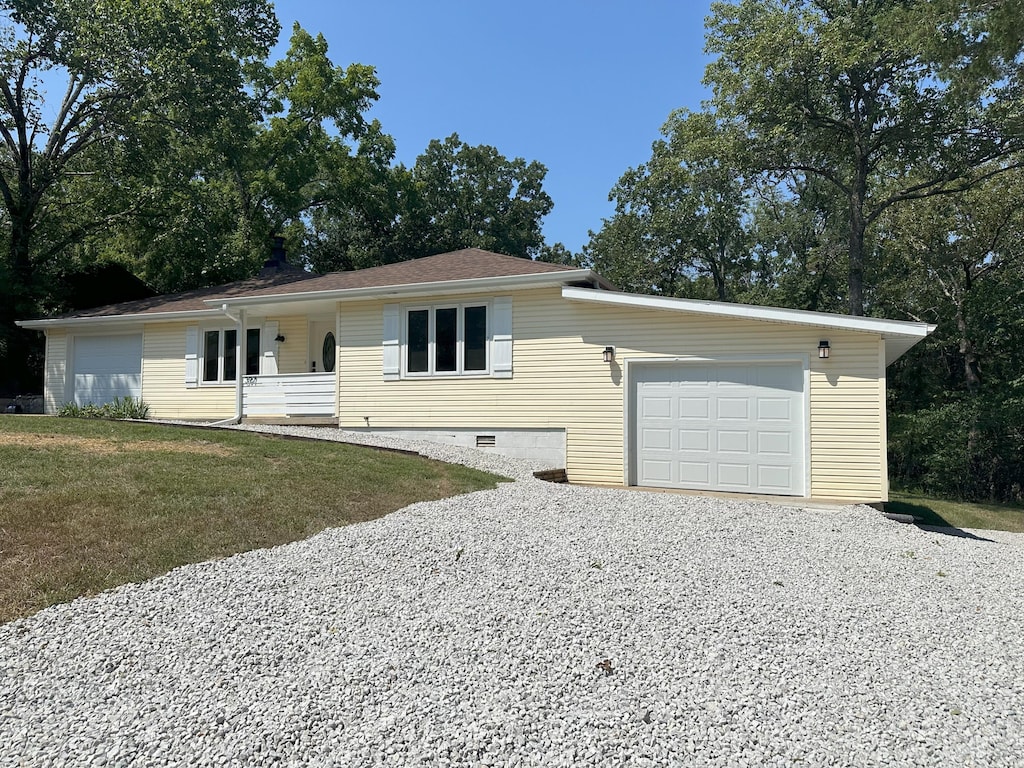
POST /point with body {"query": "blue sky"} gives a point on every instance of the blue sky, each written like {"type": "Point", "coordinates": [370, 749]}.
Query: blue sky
{"type": "Point", "coordinates": [582, 87]}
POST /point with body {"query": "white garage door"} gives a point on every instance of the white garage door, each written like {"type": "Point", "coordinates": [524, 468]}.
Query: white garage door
{"type": "Point", "coordinates": [722, 427]}
{"type": "Point", "coordinates": [106, 367]}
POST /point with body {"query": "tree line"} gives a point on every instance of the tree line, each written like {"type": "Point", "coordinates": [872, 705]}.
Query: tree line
{"type": "Point", "coordinates": [860, 156]}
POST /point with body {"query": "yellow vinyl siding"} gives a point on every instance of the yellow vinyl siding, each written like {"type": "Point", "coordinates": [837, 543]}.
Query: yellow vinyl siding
{"type": "Point", "coordinates": [163, 379]}
{"type": "Point", "coordinates": [559, 380]}
{"type": "Point", "coordinates": [55, 373]}
{"type": "Point", "coordinates": [291, 354]}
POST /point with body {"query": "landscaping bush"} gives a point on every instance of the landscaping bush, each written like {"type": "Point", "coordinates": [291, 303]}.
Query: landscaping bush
{"type": "Point", "coordinates": [120, 408]}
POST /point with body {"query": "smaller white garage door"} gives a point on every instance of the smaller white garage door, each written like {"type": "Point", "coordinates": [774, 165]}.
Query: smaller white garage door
{"type": "Point", "coordinates": [106, 367]}
{"type": "Point", "coordinates": [722, 427]}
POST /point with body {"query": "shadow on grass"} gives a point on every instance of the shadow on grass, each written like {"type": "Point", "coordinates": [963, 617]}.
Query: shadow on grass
{"type": "Point", "coordinates": [928, 519]}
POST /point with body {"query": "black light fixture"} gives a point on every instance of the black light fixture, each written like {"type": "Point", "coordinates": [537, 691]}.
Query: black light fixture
{"type": "Point", "coordinates": [823, 349]}
{"type": "Point", "coordinates": [279, 338]}
{"type": "Point", "coordinates": [608, 355]}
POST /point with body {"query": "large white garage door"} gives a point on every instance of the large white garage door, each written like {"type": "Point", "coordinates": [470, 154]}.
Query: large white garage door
{"type": "Point", "coordinates": [718, 426]}
{"type": "Point", "coordinates": [105, 367]}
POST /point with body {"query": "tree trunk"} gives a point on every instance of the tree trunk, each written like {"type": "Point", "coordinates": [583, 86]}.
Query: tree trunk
{"type": "Point", "coordinates": [856, 278]}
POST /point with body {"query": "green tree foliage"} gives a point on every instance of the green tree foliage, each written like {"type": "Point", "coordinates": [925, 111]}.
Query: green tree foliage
{"type": "Point", "coordinates": [455, 196]}
{"type": "Point", "coordinates": [958, 404]}
{"type": "Point", "coordinates": [855, 95]}
{"type": "Point", "coordinates": [134, 76]}
{"type": "Point", "coordinates": [476, 197]}
{"type": "Point", "coordinates": [215, 200]}
{"type": "Point", "coordinates": [680, 222]}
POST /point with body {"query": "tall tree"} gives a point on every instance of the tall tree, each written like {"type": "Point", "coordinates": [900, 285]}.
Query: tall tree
{"type": "Point", "coordinates": [958, 410]}
{"type": "Point", "coordinates": [133, 75]}
{"type": "Point", "coordinates": [455, 196]}
{"type": "Point", "coordinates": [682, 216]}
{"type": "Point", "coordinates": [854, 93]}
{"type": "Point", "coordinates": [475, 196]}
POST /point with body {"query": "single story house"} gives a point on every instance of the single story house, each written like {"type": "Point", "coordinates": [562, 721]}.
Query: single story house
{"type": "Point", "coordinates": [522, 357]}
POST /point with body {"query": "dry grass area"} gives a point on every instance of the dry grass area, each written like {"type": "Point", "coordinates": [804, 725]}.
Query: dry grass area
{"type": "Point", "coordinates": [107, 446]}
{"type": "Point", "coordinates": [86, 505]}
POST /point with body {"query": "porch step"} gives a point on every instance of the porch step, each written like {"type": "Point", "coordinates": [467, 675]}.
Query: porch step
{"type": "Point", "coordinates": [552, 475]}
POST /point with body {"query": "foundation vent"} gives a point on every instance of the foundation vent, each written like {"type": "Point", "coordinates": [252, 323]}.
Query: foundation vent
{"type": "Point", "coordinates": [485, 441]}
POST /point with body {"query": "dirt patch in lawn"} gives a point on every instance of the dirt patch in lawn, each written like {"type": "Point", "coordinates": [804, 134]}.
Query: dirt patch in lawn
{"type": "Point", "coordinates": [106, 447]}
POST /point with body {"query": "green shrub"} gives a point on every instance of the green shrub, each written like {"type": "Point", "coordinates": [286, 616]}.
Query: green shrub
{"type": "Point", "coordinates": [120, 408]}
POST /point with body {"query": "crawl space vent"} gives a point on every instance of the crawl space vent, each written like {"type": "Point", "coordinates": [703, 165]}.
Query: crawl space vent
{"type": "Point", "coordinates": [485, 441]}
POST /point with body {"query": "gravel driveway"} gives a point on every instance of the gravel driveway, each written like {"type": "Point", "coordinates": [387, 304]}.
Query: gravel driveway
{"type": "Point", "coordinates": [538, 624]}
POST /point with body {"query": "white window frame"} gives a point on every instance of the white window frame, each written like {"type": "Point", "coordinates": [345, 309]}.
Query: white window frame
{"type": "Point", "coordinates": [460, 343]}
{"type": "Point", "coordinates": [220, 330]}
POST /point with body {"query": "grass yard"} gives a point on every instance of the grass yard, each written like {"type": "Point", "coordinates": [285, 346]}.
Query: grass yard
{"type": "Point", "coordinates": [86, 505]}
{"type": "Point", "coordinates": [958, 514]}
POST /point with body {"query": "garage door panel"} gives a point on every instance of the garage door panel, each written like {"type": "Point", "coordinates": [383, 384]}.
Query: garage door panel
{"type": "Point", "coordinates": [775, 443]}
{"type": "Point", "coordinates": [732, 427]}
{"type": "Point", "coordinates": [733, 441]}
{"type": "Point", "coordinates": [774, 409]}
{"type": "Point", "coordinates": [655, 407]}
{"type": "Point", "coordinates": [731, 377]}
{"type": "Point", "coordinates": [694, 408]}
{"type": "Point", "coordinates": [733, 408]}
{"type": "Point", "coordinates": [779, 377]}
{"type": "Point", "coordinates": [695, 473]}
{"type": "Point", "coordinates": [734, 476]}
{"type": "Point", "coordinates": [694, 440]}
{"type": "Point", "coordinates": [657, 471]}
{"type": "Point", "coordinates": [106, 367]}
{"type": "Point", "coordinates": [697, 377]}
{"type": "Point", "coordinates": [778, 477]}
{"type": "Point", "coordinates": [656, 439]}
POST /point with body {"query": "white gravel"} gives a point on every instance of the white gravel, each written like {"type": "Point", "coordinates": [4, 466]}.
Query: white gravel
{"type": "Point", "coordinates": [538, 624]}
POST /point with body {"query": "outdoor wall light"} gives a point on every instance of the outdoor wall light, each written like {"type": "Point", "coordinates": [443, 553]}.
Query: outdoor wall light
{"type": "Point", "coordinates": [279, 338]}
{"type": "Point", "coordinates": [823, 349]}
{"type": "Point", "coordinates": [608, 355]}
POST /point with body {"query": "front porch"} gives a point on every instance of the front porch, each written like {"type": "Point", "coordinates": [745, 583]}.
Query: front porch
{"type": "Point", "coordinates": [290, 398]}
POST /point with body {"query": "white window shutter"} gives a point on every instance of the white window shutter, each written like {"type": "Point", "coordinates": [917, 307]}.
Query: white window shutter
{"type": "Point", "coordinates": [501, 343]}
{"type": "Point", "coordinates": [268, 353]}
{"type": "Point", "coordinates": [192, 356]}
{"type": "Point", "coordinates": [391, 342]}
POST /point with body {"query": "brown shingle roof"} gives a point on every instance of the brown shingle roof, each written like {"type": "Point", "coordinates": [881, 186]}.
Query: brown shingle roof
{"type": "Point", "coordinates": [466, 264]}
{"type": "Point", "coordinates": [192, 300]}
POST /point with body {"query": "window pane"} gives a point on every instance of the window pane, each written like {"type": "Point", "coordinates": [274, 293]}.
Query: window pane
{"type": "Point", "coordinates": [419, 326]}
{"type": "Point", "coordinates": [476, 339]}
{"type": "Point", "coordinates": [211, 355]}
{"type": "Point", "coordinates": [252, 352]}
{"type": "Point", "coordinates": [446, 335]}
{"type": "Point", "coordinates": [230, 339]}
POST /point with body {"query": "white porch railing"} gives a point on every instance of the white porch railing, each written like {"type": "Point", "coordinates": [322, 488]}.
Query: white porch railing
{"type": "Point", "coordinates": [289, 394]}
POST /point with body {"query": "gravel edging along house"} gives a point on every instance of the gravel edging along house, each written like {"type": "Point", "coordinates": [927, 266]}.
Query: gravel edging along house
{"type": "Point", "coordinates": [542, 624]}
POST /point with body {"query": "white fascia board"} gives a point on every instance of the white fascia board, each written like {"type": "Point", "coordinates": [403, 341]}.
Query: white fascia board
{"type": "Point", "coordinates": [885, 328]}
{"type": "Point", "coordinates": [99, 320]}
{"type": "Point", "coordinates": [471, 285]}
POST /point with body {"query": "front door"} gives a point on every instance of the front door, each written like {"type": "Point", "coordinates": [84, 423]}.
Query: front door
{"type": "Point", "coordinates": [322, 346]}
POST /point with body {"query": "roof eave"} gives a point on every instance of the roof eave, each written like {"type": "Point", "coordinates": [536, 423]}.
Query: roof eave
{"type": "Point", "coordinates": [409, 290]}
{"type": "Point", "coordinates": [904, 332]}
{"type": "Point", "coordinates": [136, 317]}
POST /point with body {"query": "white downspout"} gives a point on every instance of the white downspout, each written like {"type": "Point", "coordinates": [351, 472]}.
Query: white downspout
{"type": "Point", "coordinates": [240, 353]}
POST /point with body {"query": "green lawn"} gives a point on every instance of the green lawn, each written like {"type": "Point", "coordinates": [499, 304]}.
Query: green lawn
{"type": "Point", "coordinates": [86, 505]}
{"type": "Point", "coordinates": [958, 514]}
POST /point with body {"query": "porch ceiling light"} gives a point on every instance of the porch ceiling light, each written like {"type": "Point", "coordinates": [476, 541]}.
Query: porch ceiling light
{"type": "Point", "coordinates": [609, 354]}
{"type": "Point", "coordinates": [824, 349]}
